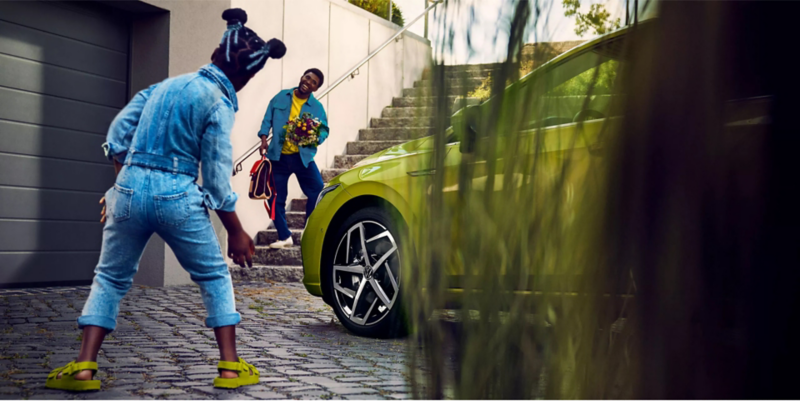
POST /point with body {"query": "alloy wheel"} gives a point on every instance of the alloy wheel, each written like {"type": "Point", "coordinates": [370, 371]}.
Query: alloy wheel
{"type": "Point", "coordinates": [366, 268]}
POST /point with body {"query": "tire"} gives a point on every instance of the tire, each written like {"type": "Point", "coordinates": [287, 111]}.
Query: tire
{"type": "Point", "coordinates": [371, 287]}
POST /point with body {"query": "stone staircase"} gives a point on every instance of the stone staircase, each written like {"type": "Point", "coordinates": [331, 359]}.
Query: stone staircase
{"type": "Point", "coordinates": [409, 116]}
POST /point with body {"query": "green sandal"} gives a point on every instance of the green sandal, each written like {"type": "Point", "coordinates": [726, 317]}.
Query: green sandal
{"type": "Point", "coordinates": [244, 379]}
{"type": "Point", "coordinates": [68, 381]}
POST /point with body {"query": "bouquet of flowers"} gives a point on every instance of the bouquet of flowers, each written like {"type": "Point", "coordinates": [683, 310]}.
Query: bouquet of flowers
{"type": "Point", "coordinates": [303, 130]}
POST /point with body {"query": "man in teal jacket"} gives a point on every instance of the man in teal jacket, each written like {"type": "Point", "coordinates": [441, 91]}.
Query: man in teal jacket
{"type": "Point", "coordinates": [286, 157]}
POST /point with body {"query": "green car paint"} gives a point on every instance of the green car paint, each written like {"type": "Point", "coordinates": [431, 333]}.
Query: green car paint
{"type": "Point", "coordinates": [388, 177]}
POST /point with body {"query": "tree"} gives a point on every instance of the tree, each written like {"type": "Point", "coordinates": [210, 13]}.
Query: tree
{"type": "Point", "coordinates": [597, 19]}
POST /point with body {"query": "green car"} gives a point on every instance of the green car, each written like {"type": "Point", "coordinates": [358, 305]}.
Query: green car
{"type": "Point", "coordinates": [351, 244]}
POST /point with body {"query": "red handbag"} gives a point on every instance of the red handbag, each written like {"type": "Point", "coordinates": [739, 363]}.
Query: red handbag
{"type": "Point", "coordinates": [262, 185]}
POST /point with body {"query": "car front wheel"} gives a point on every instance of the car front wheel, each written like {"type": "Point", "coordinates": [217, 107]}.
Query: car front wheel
{"type": "Point", "coordinates": [364, 280]}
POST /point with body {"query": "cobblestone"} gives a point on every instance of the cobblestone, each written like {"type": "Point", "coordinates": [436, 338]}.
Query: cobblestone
{"type": "Point", "coordinates": [162, 349]}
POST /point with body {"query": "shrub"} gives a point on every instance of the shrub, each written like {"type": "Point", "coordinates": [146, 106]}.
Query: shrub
{"type": "Point", "coordinates": [381, 9]}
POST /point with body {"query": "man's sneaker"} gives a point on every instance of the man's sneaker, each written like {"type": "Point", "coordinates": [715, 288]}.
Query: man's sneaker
{"type": "Point", "coordinates": [282, 244]}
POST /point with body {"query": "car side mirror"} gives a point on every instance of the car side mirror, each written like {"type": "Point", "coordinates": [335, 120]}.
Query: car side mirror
{"type": "Point", "coordinates": [468, 139]}
{"type": "Point", "coordinates": [466, 122]}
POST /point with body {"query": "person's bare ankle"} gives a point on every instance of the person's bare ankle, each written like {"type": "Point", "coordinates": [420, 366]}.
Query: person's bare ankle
{"type": "Point", "coordinates": [84, 375]}
{"type": "Point", "coordinates": [228, 374]}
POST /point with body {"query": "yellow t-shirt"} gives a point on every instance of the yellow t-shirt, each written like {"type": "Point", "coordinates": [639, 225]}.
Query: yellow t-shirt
{"type": "Point", "coordinates": [297, 104]}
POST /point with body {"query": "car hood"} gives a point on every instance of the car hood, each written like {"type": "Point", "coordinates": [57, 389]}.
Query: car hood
{"type": "Point", "coordinates": [414, 147]}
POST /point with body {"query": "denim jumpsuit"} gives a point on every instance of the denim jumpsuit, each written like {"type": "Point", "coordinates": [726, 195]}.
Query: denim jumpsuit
{"type": "Point", "coordinates": [165, 134]}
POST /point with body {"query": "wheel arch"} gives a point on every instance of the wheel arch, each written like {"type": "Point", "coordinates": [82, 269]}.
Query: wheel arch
{"type": "Point", "coordinates": [350, 207]}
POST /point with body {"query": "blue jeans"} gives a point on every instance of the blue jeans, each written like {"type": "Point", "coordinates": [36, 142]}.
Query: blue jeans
{"type": "Point", "coordinates": [310, 182]}
{"type": "Point", "coordinates": [145, 201]}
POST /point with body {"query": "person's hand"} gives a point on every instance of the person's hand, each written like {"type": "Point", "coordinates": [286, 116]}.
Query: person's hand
{"type": "Point", "coordinates": [262, 150]}
{"type": "Point", "coordinates": [241, 248]}
{"type": "Point", "coordinates": [103, 212]}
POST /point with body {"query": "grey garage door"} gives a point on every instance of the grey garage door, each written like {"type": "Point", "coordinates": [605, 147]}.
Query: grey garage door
{"type": "Point", "coordinates": [63, 78]}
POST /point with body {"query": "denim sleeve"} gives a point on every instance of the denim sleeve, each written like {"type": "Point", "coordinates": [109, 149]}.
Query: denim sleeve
{"type": "Point", "coordinates": [216, 158]}
{"type": "Point", "coordinates": [266, 124]}
{"type": "Point", "coordinates": [120, 133]}
{"type": "Point", "coordinates": [323, 129]}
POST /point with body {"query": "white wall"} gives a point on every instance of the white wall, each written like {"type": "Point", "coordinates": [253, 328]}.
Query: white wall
{"type": "Point", "coordinates": [195, 29]}
{"type": "Point", "coordinates": [331, 35]}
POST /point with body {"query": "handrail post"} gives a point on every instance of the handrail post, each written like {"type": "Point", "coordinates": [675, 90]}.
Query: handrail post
{"type": "Point", "coordinates": [426, 20]}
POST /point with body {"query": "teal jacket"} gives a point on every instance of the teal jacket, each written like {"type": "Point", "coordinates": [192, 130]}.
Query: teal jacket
{"type": "Point", "coordinates": [277, 116]}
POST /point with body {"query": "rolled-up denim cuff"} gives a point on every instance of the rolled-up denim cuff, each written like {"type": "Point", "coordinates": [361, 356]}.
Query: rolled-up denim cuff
{"type": "Point", "coordinates": [223, 320]}
{"type": "Point", "coordinates": [112, 150]}
{"type": "Point", "coordinates": [96, 320]}
{"type": "Point", "coordinates": [227, 205]}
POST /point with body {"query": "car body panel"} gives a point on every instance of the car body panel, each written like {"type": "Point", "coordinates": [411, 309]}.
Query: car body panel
{"type": "Point", "coordinates": [314, 236]}
{"type": "Point", "coordinates": [393, 174]}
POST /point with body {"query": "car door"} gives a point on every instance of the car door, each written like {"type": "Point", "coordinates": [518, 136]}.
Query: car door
{"type": "Point", "coordinates": [547, 157]}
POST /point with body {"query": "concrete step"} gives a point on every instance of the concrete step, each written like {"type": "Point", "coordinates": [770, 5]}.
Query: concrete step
{"type": "Point", "coordinates": [427, 91]}
{"type": "Point", "coordinates": [347, 161]}
{"type": "Point", "coordinates": [330, 173]}
{"type": "Point", "coordinates": [296, 220]}
{"type": "Point", "coordinates": [481, 74]}
{"type": "Point", "coordinates": [419, 101]}
{"type": "Point", "coordinates": [369, 147]}
{"type": "Point", "coordinates": [298, 205]}
{"type": "Point", "coordinates": [406, 112]}
{"type": "Point", "coordinates": [400, 122]}
{"type": "Point", "coordinates": [278, 257]}
{"type": "Point", "coordinates": [393, 134]}
{"type": "Point", "coordinates": [462, 70]}
{"type": "Point", "coordinates": [466, 80]}
{"type": "Point", "coordinates": [472, 67]}
{"type": "Point", "coordinates": [269, 236]}
{"type": "Point", "coordinates": [280, 274]}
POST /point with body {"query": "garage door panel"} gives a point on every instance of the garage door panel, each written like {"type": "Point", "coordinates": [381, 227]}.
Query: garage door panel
{"type": "Point", "coordinates": [26, 267]}
{"type": "Point", "coordinates": [35, 140]}
{"type": "Point", "coordinates": [41, 78]}
{"type": "Point", "coordinates": [32, 172]}
{"type": "Point", "coordinates": [63, 79]}
{"type": "Point", "coordinates": [66, 21]}
{"type": "Point", "coordinates": [27, 43]}
{"type": "Point", "coordinates": [28, 203]}
{"type": "Point", "coordinates": [32, 108]}
{"type": "Point", "coordinates": [34, 236]}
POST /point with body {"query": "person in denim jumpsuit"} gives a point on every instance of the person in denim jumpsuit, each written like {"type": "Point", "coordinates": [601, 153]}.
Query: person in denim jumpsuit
{"type": "Point", "coordinates": [164, 139]}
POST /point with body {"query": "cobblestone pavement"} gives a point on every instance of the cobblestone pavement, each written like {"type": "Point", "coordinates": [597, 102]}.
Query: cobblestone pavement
{"type": "Point", "coordinates": [162, 349]}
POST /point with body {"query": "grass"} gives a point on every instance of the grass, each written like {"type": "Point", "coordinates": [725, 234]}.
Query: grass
{"type": "Point", "coordinates": [539, 221]}
{"type": "Point", "coordinates": [12, 372]}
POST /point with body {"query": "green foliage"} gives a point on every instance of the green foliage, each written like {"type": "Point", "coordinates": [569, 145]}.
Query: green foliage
{"type": "Point", "coordinates": [381, 9]}
{"type": "Point", "coordinates": [597, 19]}
{"type": "Point", "coordinates": [484, 90]}
{"type": "Point", "coordinates": [515, 226]}
{"type": "Point", "coordinates": [579, 85]}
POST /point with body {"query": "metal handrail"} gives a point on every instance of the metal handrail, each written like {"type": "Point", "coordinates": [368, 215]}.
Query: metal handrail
{"type": "Point", "coordinates": [237, 164]}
